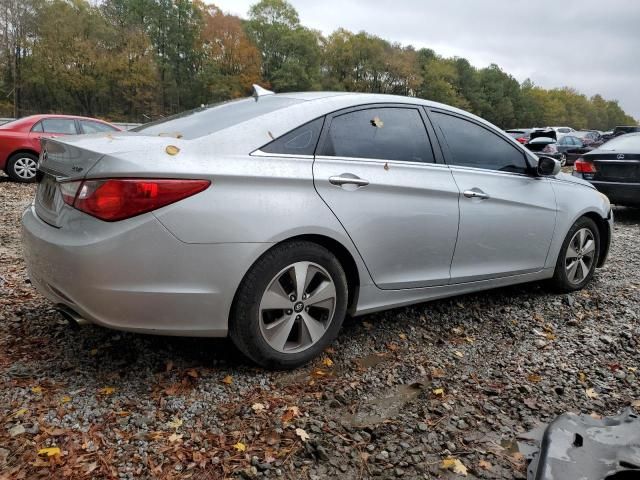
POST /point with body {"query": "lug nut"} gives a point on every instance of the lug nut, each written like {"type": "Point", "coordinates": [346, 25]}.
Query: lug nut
{"type": "Point", "coordinates": [304, 297]}
{"type": "Point", "coordinates": [306, 309]}
{"type": "Point", "coordinates": [298, 317]}
{"type": "Point", "coordinates": [292, 298]}
{"type": "Point", "coordinates": [289, 312]}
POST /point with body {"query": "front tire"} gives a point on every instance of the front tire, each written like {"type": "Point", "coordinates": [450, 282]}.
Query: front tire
{"type": "Point", "coordinates": [22, 167]}
{"type": "Point", "coordinates": [290, 305]}
{"type": "Point", "coordinates": [563, 159]}
{"type": "Point", "coordinates": [578, 257]}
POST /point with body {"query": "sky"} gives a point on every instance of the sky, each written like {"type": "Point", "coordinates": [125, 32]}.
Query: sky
{"type": "Point", "coordinates": [590, 45]}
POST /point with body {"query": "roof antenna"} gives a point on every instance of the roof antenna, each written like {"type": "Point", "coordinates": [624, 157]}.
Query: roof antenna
{"type": "Point", "coordinates": [258, 92]}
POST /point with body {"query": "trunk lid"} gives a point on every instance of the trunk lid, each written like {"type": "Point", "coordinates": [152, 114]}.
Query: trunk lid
{"type": "Point", "coordinates": [71, 158]}
{"type": "Point", "coordinates": [616, 167]}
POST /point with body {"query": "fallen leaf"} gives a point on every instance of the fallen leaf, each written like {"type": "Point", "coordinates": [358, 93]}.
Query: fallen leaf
{"type": "Point", "coordinates": [327, 362]}
{"type": "Point", "coordinates": [175, 423]}
{"type": "Point", "coordinates": [319, 373]}
{"type": "Point", "coordinates": [49, 452]}
{"type": "Point", "coordinates": [591, 393]}
{"type": "Point", "coordinates": [632, 369]}
{"type": "Point", "coordinates": [458, 354]}
{"type": "Point", "coordinates": [36, 389]}
{"type": "Point", "coordinates": [21, 412]}
{"type": "Point", "coordinates": [367, 325]}
{"type": "Point", "coordinates": [635, 403]}
{"type": "Point", "coordinates": [174, 437]}
{"type": "Point", "coordinates": [457, 330]}
{"type": "Point", "coordinates": [534, 378]}
{"type": "Point", "coordinates": [455, 465]}
{"type": "Point", "coordinates": [402, 336]}
{"type": "Point", "coordinates": [93, 352]}
{"type": "Point", "coordinates": [192, 372]}
{"type": "Point", "coordinates": [65, 399]}
{"type": "Point", "coordinates": [241, 447]}
{"type": "Point", "coordinates": [439, 391]}
{"type": "Point", "coordinates": [437, 373]}
{"type": "Point", "coordinates": [290, 413]}
{"type": "Point", "coordinates": [582, 377]}
{"type": "Point", "coordinates": [228, 380]}
{"type": "Point", "coordinates": [304, 436]}
{"type": "Point", "coordinates": [258, 407]}
{"type": "Point", "coordinates": [107, 390]}
{"type": "Point", "coordinates": [485, 465]}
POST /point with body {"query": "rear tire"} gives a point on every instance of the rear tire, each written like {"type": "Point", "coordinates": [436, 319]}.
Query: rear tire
{"type": "Point", "coordinates": [578, 257]}
{"type": "Point", "coordinates": [22, 167]}
{"type": "Point", "coordinates": [289, 306]}
{"type": "Point", "coordinates": [563, 159]}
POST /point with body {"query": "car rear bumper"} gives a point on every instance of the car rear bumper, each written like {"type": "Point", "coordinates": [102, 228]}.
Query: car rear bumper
{"type": "Point", "coordinates": [135, 275]}
{"type": "Point", "coordinates": [627, 194]}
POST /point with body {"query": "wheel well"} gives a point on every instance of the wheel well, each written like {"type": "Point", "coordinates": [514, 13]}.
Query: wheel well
{"type": "Point", "coordinates": [603, 229]}
{"type": "Point", "coordinates": [344, 257]}
{"type": "Point", "coordinates": [22, 150]}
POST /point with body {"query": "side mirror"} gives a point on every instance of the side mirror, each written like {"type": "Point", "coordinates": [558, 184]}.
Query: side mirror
{"type": "Point", "coordinates": [548, 167]}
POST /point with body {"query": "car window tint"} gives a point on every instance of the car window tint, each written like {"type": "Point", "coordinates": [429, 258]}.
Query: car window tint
{"type": "Point", "coordinates": [213, 118]}
{"type": "Point", "coordinates": [37, 127]}
{"type": "Point", "coordinates": [471, 145]}
{"type": "Point", "coordinates": [89, 126]}
{"type": "Point", "coordinates": [59, 125]}
{"type": "Point", "coordinates": [386, 133]}
{"type": "Point", "coordinates": [300, 141]}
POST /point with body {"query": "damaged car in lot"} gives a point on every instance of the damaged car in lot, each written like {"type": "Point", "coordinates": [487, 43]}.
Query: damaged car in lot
{"type": "Point", "coordinates": [268, 219]}
{"type": "Point", "coordinates": [614, 169]}
{"type": "Point", "coordinates": [564, 148]}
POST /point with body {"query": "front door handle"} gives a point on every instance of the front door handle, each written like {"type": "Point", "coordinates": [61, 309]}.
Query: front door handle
{"type": "Point", "coordinates": [348, 179]}
{"type": "Point", "coordinates": [475, 194]}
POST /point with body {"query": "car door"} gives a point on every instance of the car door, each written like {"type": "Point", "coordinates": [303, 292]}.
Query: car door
{"type": "Point", "coordinates": [51, 127]}
{"type": "Point", "coordinates": [376, 169]}
{"type": "Point", "coordinates": [507, 217]}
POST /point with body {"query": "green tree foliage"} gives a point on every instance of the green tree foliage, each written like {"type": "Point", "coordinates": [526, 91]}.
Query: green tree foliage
{"type": "Point", "coordinates": [139, 59]}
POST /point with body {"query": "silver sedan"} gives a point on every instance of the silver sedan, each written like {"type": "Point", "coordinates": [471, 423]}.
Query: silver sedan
{"type": "Point", "coordinates": [270, 218]}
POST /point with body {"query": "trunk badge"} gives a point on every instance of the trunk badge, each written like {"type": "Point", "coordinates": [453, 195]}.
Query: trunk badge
{"type": "Point", "coordinates": [621, 156]}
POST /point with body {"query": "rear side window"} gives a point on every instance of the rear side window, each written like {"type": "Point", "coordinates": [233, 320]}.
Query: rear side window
{"type": "Point", "coordinates": [386, 133]}
{"type": "Point", "coordinates": [64, 126]}
{"type": "Point", "coordinates": [37, 127]}
{"type": "Point", "coordinates": [89, 126]}
{"type": "Point", "coordinates": [300, 141]}
{"type": "Point", "coordinates": [206, 120]}
{"type": "Point", "coordinates": [471, 145]}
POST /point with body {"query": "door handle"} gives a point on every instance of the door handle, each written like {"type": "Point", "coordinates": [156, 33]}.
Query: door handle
{"type": "Point", "coordinates": [347, 179]}
{"type": "Point", "coordinates": [475, 194]}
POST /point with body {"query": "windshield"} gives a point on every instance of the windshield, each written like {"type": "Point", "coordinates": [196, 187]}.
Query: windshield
{"type": "Point", "coordinates": [212, 118]}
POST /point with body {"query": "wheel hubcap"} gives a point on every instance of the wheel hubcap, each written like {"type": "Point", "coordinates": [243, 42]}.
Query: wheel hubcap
{"type": "Point", "coordinates": [25, 168]}
{"type": "Point", "coordinates": [297, 307]}
{"type": "Point", "coordinates": [580, 255]}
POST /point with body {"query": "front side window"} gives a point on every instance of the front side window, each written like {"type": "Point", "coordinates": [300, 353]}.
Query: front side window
{"type": "Point", "coordinates": [386, 133]}
{"type": "Point", "coordinates": [300, 141]}
{"type": "Point", "coordinates": [471, 145]}
{"type": "Point", "coordinates": [63, 126]}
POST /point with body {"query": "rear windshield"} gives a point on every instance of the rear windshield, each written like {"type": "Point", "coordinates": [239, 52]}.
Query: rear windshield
{"type": "Point", "coordinates": [629, 142]}
{"type": "Point", "coordinates": [212, 118]}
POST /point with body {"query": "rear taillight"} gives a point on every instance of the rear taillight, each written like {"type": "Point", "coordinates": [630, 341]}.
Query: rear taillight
{"type": "Point", "coordinates": [551, 148]}
{"type": "Point", "coordinates": [582, 166]}
{"type": "Point", "coordinates": [120, 198]}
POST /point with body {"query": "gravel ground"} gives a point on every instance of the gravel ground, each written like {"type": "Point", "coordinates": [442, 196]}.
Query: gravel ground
{"type": "Point", "coordinates": [398, 394]}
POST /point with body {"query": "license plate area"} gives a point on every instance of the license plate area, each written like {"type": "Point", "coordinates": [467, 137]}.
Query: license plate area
{"type": "Point", "coordinates": [48, 200]}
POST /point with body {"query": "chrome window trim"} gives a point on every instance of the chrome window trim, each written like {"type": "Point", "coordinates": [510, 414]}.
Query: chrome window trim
{"type": "Point", "coordinates": [260, 153]}
{"type": "Point", "coordinates": [488, 170]}
{"type": "Point", "coordinates": [379, 160]}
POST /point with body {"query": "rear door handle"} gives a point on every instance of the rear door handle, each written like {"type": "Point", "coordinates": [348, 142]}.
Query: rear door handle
{"type": "Point", "coordinates": [475, 194]}
{"type": "Point", "coordinates": [348, 179]}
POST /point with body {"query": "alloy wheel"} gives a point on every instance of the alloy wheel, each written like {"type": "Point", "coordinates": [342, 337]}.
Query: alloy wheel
{"type": "Point", "coordinates": [563, 160]}
{"type": "Point", "coordinates": [25, 168]}
{"type": "Point", "coordinates": [580, 255]}
{"type": "Point", "coordinates": [297, 307]}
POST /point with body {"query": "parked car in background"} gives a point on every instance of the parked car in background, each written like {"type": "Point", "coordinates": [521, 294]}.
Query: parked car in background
{"type": "Point", "coordinates": [588, 137]}
{"type": "Point", "coordinates": [619, 130]}
{"type": "Point", "coordinates": [270, 218]}
{"type": "Point", "coordinates": [562, 130]}
{"type": "Point", "coordinates": [20, 140]}
{"type": "Point", "coordinates": [614, 169]}
{"type": "Point", "coordinates": [564, 148]}
{"type": "Point", "coordinates": [520, 134]}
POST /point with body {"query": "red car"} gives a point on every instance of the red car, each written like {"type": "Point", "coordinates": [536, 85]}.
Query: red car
{"type": "Point", "coordinates": [20, 140]}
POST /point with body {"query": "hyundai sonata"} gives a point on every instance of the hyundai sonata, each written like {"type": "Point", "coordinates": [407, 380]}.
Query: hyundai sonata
{"type": "Point", "coordinates": [270, 218]}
